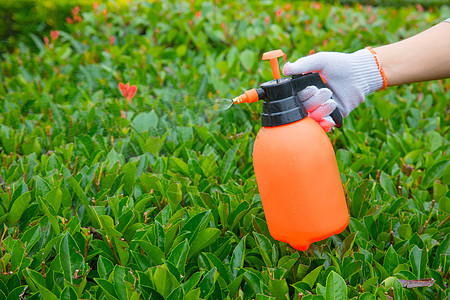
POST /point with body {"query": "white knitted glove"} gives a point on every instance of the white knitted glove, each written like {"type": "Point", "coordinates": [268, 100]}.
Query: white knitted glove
{"type": "Point", "coordinates": [319, 105]}
{"type": "Point", "coordinates": [349, 76]}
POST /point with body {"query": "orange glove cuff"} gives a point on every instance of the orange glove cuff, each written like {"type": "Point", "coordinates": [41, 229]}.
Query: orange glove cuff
{"type": "Point", "coordinates": [380, 68]}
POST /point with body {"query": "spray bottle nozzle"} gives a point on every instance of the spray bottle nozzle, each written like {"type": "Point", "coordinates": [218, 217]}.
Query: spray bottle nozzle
{"type": "Point", "coordinates": [250, 96]}
{"type": "Point", "coordinates": [254, 95]}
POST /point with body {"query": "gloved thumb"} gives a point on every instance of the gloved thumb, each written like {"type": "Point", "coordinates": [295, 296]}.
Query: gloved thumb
{"type": "Point", "coordinates": [304, 65]}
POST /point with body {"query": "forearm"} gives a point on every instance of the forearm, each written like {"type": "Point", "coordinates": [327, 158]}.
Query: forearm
{"type": "Point", "coordinates": [425, 56]}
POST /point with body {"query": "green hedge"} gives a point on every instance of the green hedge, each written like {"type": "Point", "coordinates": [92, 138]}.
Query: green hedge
{"type": "Point", "coordinates": [22, 17]}
{"type": "Point", "coordinates": [156, 197]}
{"type": "Point", "coordinates": [424, 3]}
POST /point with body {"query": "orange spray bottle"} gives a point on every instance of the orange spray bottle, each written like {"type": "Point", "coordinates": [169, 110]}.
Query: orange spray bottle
{"type": "Point", "coordinates": [295, 164]}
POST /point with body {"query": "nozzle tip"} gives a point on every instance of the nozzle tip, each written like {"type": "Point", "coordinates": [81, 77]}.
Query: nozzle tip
{"type": "Point", "coordinates": [237, 100]}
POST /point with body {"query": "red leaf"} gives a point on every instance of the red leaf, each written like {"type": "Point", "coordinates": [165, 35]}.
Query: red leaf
{"type": "Point", "coordinates": [123, 89]}
{"type": "Point", "coordinates": [419, 8]}
{"type": "Point", "coordinates": [279, 12]}
{"type": "Point", "coordinates": [127, 91]}
{"type": "Point", "coordinates": [75, 10]}
{"type": "Point", "coordinates": [54, 34]}
{"type": "Point", "coordinates": [131, 92]}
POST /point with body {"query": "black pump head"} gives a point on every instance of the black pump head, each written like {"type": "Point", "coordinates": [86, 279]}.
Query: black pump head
{"type": "Point", "coordinates": [281, 105]}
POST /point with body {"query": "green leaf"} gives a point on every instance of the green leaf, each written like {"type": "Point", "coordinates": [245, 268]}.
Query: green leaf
{"type": "Point", "coordinates": [78, 190]}
{"type": "Point", "coordinates": [207, 284]}
{"type": "Point", "coordinates": [68, 294]}
{"type": "Point", "coordinates": [174, 195]}
{"type": "Point", "coordinates": [176, 294]}
{"type": "Point", "coordinates": [264, 297]}
{"type": "Point", "coordinates": [54, 197]}
{"type": "Point", "coordinates": [83, 199]}
{"type": "Point", "coordinates": [362, 235]}
{"type": "Point", "coordinates": [52, 219]}
{"type": "Point", "coordinates": [264, 248]}
{"type": "Point", "coordinates": [129, 177]}
{"type": "Point", "coordinates": [336, 288]}
{"type": "Point", "coordinates": [155, 254]}
{"type": "Point", "coordinates": [107, 288]}
{"type": "Point", "coordinates": [253, 280]}
{"type": "Point", "coordinates": [178, 256]}
{"type": "Point", "coordinates": [237, 259]}
{"type": "Point", "coordinates": [104, 266]}
{"type": "Point", "coordinates": [3, 288]}
{"type": "Point", "coordinates": [119, 283]}
{"type": "Point", "coordinates": [383, 273]}
{"type": "Point", "coordinates": [31, 237]}
{"type": "Point", "coordinates": [204, 239]}
{"type": "Point", "coordinates": [143, 261]}
{"type": "Point", "coordinates": [71, 260]}
{"type": "Point", "coordinates": [18, 255]}
{"type": "Point", "coordinates": [18, 207]}
{"type": "Point", "coordinates": [351, 268]}
{"type": "Point", "coordinates": [434, 173]}
{"type": "Point", "coordinates": [247, 58]}
{"type": "Point", "coordinates": [214, 261]}
{"type": "Point", "coordinates": [192, 295]}
{"type": "Point", "coordinates": [367, 296]}
{"type": "Point", "coordinates": [17, 293]}
{"type": "Point", "coordinates": [311, 277]}
{"type": "Point", "coordinates": [442, 249]}
{"type": "Point", "coordinates": [38, 42]}
{"type": "Point", "coordinates": [37, 279]}
{"type": "Point", "coordinates": [444, 204]}
{"type": "Point", "coordinates": [125, 219]}
{"type": "Point", "coordinates": [279, 288]}
{"type": "Point", "coordinates": [405, 231]}
{"type": "Point", "coordinates": [192, 281]}
{"type": "Point", "coordinates": [418, 259]}
{"type": "Point", "coordinates": [173, 270]}
{"type": "Point", "coordinates": [390, 261]}
{"type": "Point", "coordinates": [144, 121]}
{"type": "Point", "coordinates": [387, 184]}
{"type": "Point", "coordinates": [235, 284]}
{"type": "Point", "coordinates": [398, 289]}
{"type": "Point", "coordinates": [42, 187]}
{"type": "Point", "coordinates": [228, 165]}
{"type": "Point", "coordinates": [153, 144]}
{"type": "Point", "coordinates": [346, 245]}
{"type": "Point", "coordinates": [164, 281]}
{"type": "Point", "coordinates": [439, 190]}
{"type": "Point", "coordinates": [45, 293]}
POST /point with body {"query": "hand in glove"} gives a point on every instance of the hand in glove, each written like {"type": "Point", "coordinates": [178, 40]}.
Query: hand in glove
{"type": "Point", "coordinates": [349, 76]}
{"type": "Point", "coordinates": [319, 105]}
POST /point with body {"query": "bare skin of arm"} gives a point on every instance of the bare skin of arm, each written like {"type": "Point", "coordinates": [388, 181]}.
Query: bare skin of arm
{"type": "Point", "coordinates": [423, 57]}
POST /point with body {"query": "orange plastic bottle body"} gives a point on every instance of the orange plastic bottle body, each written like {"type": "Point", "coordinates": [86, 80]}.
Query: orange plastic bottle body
{"type": "Point", "coordinates": [299, 183]}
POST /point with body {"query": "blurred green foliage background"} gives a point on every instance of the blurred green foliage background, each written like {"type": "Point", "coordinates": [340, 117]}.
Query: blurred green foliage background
{"type": "Point", "coordinates": [106, 198]}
